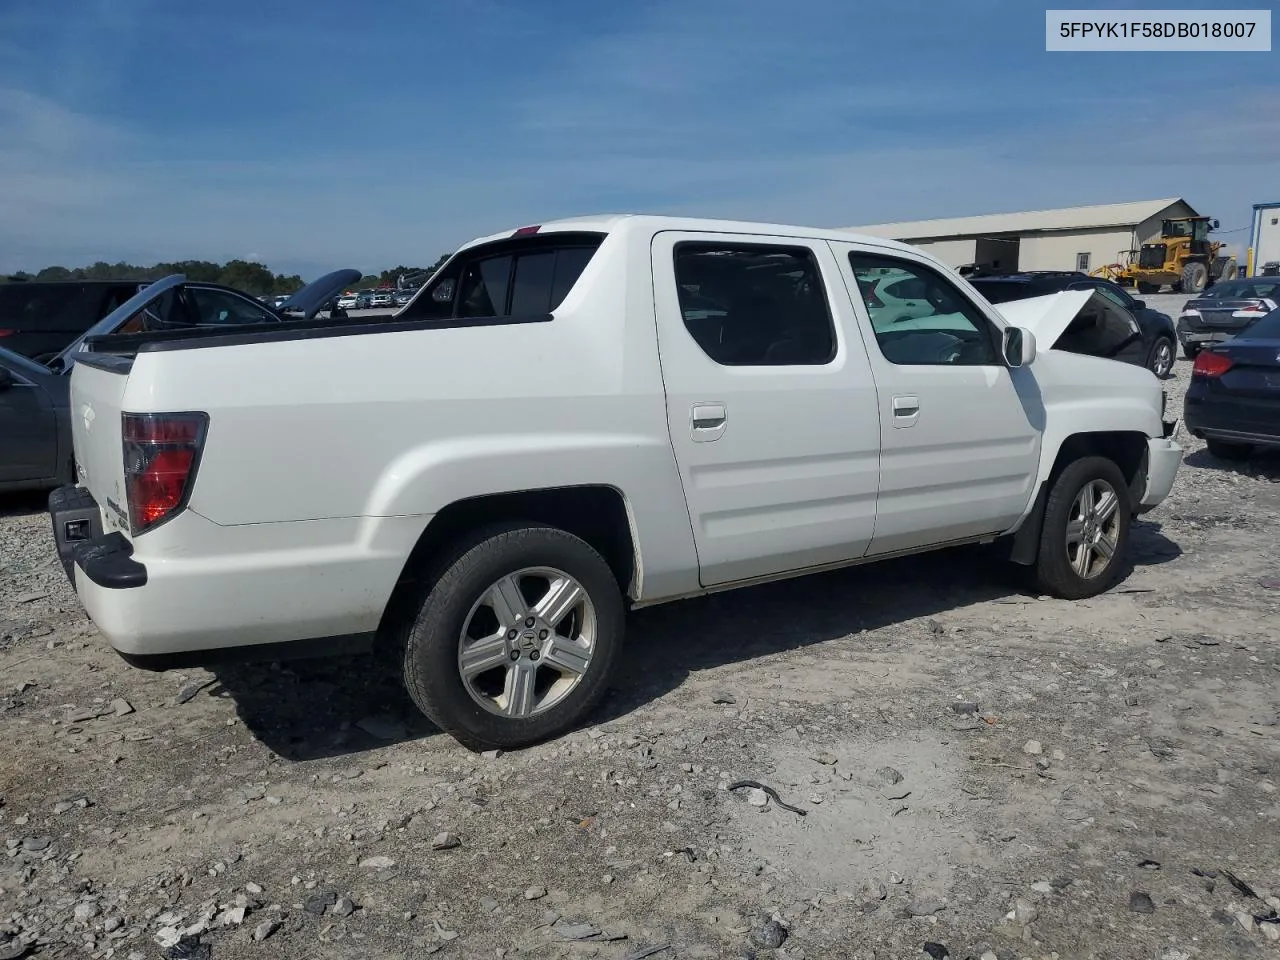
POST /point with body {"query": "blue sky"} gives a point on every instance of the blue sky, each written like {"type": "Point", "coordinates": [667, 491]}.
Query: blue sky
{"type": "Point", "coordinates": [310, 135]}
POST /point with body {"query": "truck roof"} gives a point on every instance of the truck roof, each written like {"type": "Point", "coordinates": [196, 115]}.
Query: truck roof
{"type": "Point", "coordinates": [649, 223]}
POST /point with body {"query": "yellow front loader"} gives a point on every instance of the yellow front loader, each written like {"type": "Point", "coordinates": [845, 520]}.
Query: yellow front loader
{"type": "Point", "coordinates": [1183, 257]}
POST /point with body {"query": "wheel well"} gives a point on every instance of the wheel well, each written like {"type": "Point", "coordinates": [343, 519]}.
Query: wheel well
{"type": "Point", "coordinates": [1125, 449]}
{"type": "Point", "coordinates": [1128, 450]}
{"type": "Point", "coordinates": [597, 514]}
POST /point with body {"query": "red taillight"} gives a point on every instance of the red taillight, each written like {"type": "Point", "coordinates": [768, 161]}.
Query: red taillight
{"type": "Point", "coordinates": [527, 231]}
{"type": "Point", "coordinates": [161, 451]}
{"type": "Point", "coordinates": [1211, 364]}
{"type": "Point", "coordinates": [7, 333]}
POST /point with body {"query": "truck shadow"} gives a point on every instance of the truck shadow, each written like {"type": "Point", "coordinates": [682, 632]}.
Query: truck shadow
{"type": "Point", "coordinates": [312, 709]}
{"type": "Point", "coordinates": [23, 504]}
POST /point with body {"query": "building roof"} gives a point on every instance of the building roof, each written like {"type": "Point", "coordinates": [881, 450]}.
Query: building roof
{"type": "Point", "coordinates": [1067, 218]}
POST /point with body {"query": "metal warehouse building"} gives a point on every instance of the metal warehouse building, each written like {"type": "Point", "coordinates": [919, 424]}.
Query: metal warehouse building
{"type": "Point", "coordinates": [1264, 238]}
{"type": "Point", "coordinates": [1074, 238]}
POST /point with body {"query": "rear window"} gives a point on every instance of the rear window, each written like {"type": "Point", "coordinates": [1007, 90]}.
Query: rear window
{"type": "Point", "coordinates": [1002, 292]}
{"type": "Point", "coordinates": [69, 307]}
{"type": "Point", "coordinates": [528, 276]}
{"type": "Point", "coordinates": [1243, 290]}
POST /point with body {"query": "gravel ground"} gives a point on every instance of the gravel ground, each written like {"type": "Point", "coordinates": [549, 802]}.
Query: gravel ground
{"type": "Point", "coordinates": [984, 773]}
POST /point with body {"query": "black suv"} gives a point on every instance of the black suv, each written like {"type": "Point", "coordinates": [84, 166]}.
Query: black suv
{"type": "Point", "coordinates": [1153, 347]}
{"type": "Point", "coordinates": [39, 319]}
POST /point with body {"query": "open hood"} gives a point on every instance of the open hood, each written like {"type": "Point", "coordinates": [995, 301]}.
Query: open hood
{"type": "Point", "coordinates": [311, 299]}
{"type": "Point", "coordinates": [1047, 317]}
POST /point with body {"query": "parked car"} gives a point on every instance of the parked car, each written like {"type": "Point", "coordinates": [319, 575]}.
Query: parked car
{"type": "Point", "coordinates": [403, 296]}
{"type": "Point", "coordinates": [364, 299]}
{"type": "Point", "coordinates": [381, 298]}
{"type": "Point", "coordinates": [491, 478]}
{"type": "Point", "coordinates": [1115, 320]}
{"type": "Point", "coordinates": [39, 319]}
{"type": "Point", "coordinates": [1224, 310]}
{"type": "Point", "coordinates": [1233, 400]}
{"type": "Point", "coordinates": [33, 396]}
{"type": "Point", "coordinates": [897, 299]}
{"type": "Point", "coordinates": [348, 301]}
{"type": "Point", "coordinates": [35, 425]}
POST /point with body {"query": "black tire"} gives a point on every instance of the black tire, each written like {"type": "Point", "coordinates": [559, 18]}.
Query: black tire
{"type": "Point", "coordinates": [1144, 287]}
{"type": "Point", "coordinates": [1160, 359]}
{"type": "Point", "coordinates": [1224, 450]}
{"type": "Point", "coordinates": [1195, 275]}
{"type": "Point", "coordinates": [431, 671]}
{"type": "Point", "coordinates": [1191, 350]}
{"type": "Point", "coordinates": [1054, 572]}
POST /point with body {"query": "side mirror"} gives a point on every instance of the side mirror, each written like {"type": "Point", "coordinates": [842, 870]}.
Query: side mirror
{"type": "Point", "coordinates": [1139, 304]}
{"type": "Point", "coordinates": [6, 378]}
{"type": "Point", "coordinates": [1019, 346]}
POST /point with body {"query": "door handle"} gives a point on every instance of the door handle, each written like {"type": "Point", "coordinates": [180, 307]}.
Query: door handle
{"type": "Point", "coordinates": [707, 421]}
{"type": "Point", "coordinates": [906, 410]}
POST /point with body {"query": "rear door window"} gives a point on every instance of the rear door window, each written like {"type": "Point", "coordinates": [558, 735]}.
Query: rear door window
{"type": "Point", "coordinates": [755, 305]}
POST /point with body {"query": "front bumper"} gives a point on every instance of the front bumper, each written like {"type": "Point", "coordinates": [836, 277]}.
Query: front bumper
{"type": "Point", "coordinates": [1164, 457]}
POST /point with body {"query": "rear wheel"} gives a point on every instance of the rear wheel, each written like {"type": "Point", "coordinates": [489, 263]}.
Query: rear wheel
{"type": "Point", "coordinates": [1085, 537]}
{"type": "Point", "coordinates": [1194, 277]}
{"type": "Point", "coordinates": [1191, 350]}
{"type": "Point", "coordinates": [517, 638]}
{"type": "Point", "coordinates": [1229, 451]}
{"type": "Point", "coordinates": [1160, 360]}
{"type": "Point", "coordinates": [1144, 287]}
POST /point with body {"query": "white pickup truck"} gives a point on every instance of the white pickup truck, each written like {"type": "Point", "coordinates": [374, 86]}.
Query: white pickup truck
{"type": "Point", "coordinates": [576, 419]}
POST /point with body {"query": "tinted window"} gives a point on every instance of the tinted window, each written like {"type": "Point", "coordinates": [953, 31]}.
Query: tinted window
{"type": "Point", "coordinates": [1115, 295]}
{"type": "Point", "coordinates": [1101, 329]}
{"type": "Point", "coordinates": [166, 310]}
{"type": "Point", "coordinates": [749, 305]}
{"type": "Point", "coordinates": [531, 292]}
{"type": "Point", "coordinates": [484, 288]}
{"type": "Point", "coordinates": [217, 308]}
{"type": "Point", "coordinates": [1244, 289]}
{"type": "Point", "coordinates": [945, 329]}
{"type": "Point", "coordinates": [1002, 292]}
{"type": "Point", "coordinates": [509, 277]}
{"type": "Point", "coordinates": [570, 262]}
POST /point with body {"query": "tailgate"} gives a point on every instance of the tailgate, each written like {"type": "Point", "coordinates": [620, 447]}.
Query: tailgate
{"type": "Point", "coordinates": [97, 392]}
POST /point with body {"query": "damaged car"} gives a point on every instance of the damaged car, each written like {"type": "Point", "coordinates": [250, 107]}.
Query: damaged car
{"type": "Point", "coordinates": [36, 454]}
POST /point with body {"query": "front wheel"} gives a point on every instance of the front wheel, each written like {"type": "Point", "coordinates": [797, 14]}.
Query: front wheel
{"type": "Point", "coordinates": [1085, 537]}
{"type": "Point", "coordinates": [1160, 360]}
{"type": "Point", "coordinates": [1194, 277]}
{"type": "Point", "coordinates": [1191, 350]}
{"type": "Point", "coordinates": [517, 638]}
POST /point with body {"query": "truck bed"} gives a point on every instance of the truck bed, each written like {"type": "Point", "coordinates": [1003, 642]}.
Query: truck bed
{"type": "Point", "coordinates": [117, 350]}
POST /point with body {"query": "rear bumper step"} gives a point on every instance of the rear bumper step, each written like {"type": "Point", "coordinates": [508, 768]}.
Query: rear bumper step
{"type": "Point", "coordinates": [106, 559]}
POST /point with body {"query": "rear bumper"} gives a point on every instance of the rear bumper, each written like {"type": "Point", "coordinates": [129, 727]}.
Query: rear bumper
{"type": "Point", "coordinates": [1164, 456]}
{"type": "Point", "coordinates": [1200, 333]}
{"type": "Point", "coordinates": [192, 592]}
{"type": "Point", "coordinates": [1210, 417]}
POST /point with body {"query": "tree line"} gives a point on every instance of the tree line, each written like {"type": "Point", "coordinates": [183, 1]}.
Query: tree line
{"type": "Point", "coordinates": [246, 275]}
